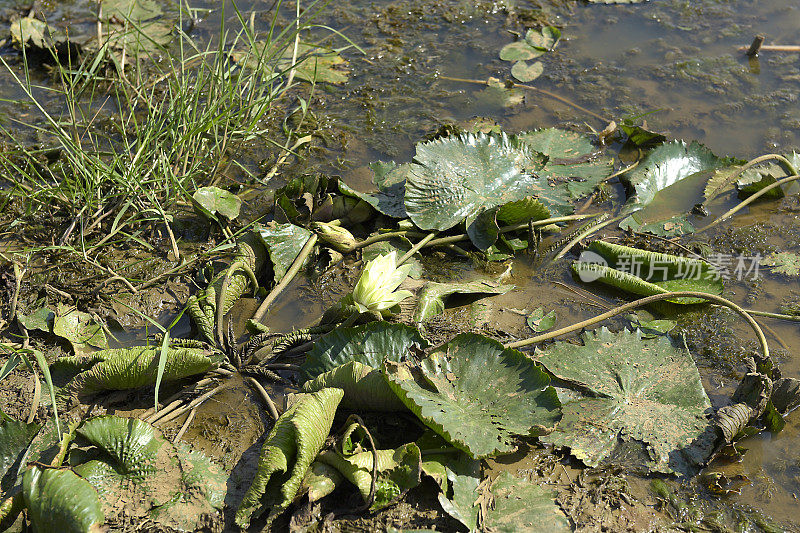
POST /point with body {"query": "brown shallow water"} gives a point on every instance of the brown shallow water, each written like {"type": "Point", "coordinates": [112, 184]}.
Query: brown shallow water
{"type": "Point", "coordinates": [677, 59]}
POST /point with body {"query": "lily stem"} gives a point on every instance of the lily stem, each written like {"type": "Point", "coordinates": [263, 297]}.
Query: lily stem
{"type": "Point", "coordinates": [414, 249]}
{"type": "Point", "coordinates": [647, 301]}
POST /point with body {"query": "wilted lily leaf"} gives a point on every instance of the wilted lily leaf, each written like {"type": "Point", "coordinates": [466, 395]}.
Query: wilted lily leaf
{"type": "Point", "coordinates": [399, 470]}
{"type": "Point", "coordinates": [432, 298]}
{"type": "Point", "coordinates": [142, 476]}
{"type": "Point", "coordinates": [315, 64]}
{"type": "Point", "coordinates": [283, 243]}
{"type": "Point", "coordinates": [520, 505]}
{"type": "Point", "coordinates": [647, 273]}
{"type": "Point", "coordinates": [783, 263]}
{"type": "Point", "coordinates": [41, 319]}
{"type": "Point", "coordinates": [390, 179]}
{"type": "Point", "coordinates": [60, 500]}
{"type": "Point", "coordinates": [684, 169]}
{"type": "Point", "coordinates": [369, 344]}
{"type": "Point", "coordinates": [637, 390]}
{"type": "Point", "coordinates": [129, 368]}
{"type": "Point", "coordinates": [365, 388]}
{"type": "Point", "coordinates": [79, 328]}
{"type": "Point", "coordinates": [130, 10]}
{"type": "Point", "coordinates": [462, 178]}
{"type": "Point", "coordinates": [31, 30]}
{"type": "Point", "coordinates": [477, 395]}
{"type": "Point", "coordinates": [294, 442]}
{"type": "Point", "coordinates": [213, 200]}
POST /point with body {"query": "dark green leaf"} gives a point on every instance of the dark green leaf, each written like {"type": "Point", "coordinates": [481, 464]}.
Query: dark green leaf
{"type": "Point", "coordinates": [213, 200]}
{"type": "Point", "coordinates": [15, 437]}
{"type": "Point", "coordinates": [539, 321]}
{"type": "Point", "coordinates": [59, 500]}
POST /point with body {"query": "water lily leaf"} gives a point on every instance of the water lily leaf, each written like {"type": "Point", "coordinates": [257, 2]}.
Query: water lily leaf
{"type": "Point", "coordinates": [432, 298]}
{"type": "Point", "coordinates": [142, 476]}
{"type": "Point", "coordinates": [721, 181]}
{"type": "Point", "coordinates": [783, 263]}
{"type": "Point", "coordinates": [526, 72]}
{"type": "Point", "coordinates": [41, 319]}
{"type": "Point", "coordinates": [571, 157]}
{"type": "Point", "coordinates": [365, 389]}
{"type": "Point", "coordinates": [212, 201]}
{"type": "Point", "coordinates": [129, 10]}
{"type": "Point", "coordinates": [496, 94]}
{"type": "Point", "coordinates": [15, 437]}
{"type": "Point", "coordinates": [399, 470]}
{"type": "Point", "coordinates": [283, 243]}
{"type": "Point", "coordinates": [634, 390]}
{"type": "Point", "coordinates": [315, 64]}
{"type": "Point", "coordinates": [129, 368]}
{"type": "Point", "coordinates": [477, 394]}
{"type": "Point", "coordinates": [59, 500]}
{"type": "Point", "coordinates": [647, 273]}
{"type": "Point", "coordinates": [521, 211]}
{"type": "Point", "coordinates": [294, 442]}
{"type": "Point", "coordinates": [666, 166]}
{"type": "Point", "coordinates": [29, 30]}
{"type": "Point", "coordinates": [639, 134]}
{"type": "Point", "coordinates": [754, 179]}
{"type": "Point", "coordinates": [520, 51]}
{"type": "Point", "coordinates": [369, 345]}
{"type": "Point", "coordinates": [539, 321]}
{"type": "Point", "coordinates": [391, 182]}
{"type": "Point", "coordinates": [545, 39]}
{"type": "Point", "coordinates": [79, 328]}
{"type": "Point", "coordinates": [458, 178]}
{"type": "Point", "coordinates": [131, 443]}
{"type": "Point", "coordinates": [321, 479]}
{"type": "Point", "coordinates": [520, 505]}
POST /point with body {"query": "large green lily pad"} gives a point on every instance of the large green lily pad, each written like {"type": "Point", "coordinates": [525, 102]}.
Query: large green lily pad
{"type": "Point", "coordinates": [369, 345]}
{"type": "Point", "coordinates": [464, 178]}
{"type": "Point", "coordinates": [15, 437]}
{"type": "Point", "coordinates": [676, 166]}
{"type": "Point", "coordinates": [639, 390]}
{"type": "Point", "coordinates": [60, 500]}
{"type": "Point", "coordinates": [477, 394]}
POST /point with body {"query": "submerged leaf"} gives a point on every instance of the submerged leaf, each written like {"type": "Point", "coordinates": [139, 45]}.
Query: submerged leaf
{"type": "Point", "coordinates": [539, 321]}
{"type": "Point", "coordinates": [477, 394]}
{"type": "Point", "coordinates": [59, 500]}
{"type": "Point", "coordinates": [458, 178]}
{"type": "Point", "coordinates": [283, 243]}
{"type": "Point", "coordinates": [369, 344]}
{"type": "Point", "coordinates": [520, 505]}
{"type": "Point", "coordinates": [525, 72]}
{"type": "Point", "coordinates": [391, 182]}
{"type": "Point", "coordinates": [644, 391]}
{"type": "Point", "coordinates": [293, 443]}
{"type": "Point", "coordinates": [130, 368]}
{"type": "Point", "coordinates": [31, 30]}
{"type": "Point", "coordinates": [432, 298]}
{"type": "Point", "coordinates": [783, 263]}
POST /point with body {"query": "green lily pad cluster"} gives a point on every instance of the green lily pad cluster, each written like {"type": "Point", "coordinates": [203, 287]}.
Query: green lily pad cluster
{"type": "Point", "coordinates": [535, 44]}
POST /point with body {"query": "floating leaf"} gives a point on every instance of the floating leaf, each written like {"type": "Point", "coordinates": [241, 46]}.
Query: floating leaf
{"type": "Point", "coordinates": [432, 298]}
{"type": "Point", "coordinates": [647, 273]}
{"type": "Point", "coordinates": [497, 94]}
{"type": "Point", "coordinates": [459, 178]}
{"type": "Point", "coordinates": [674, 165]}
{"type": "Point", "coordinates": [315, 64]}
{"type": "Point", "coordinates": [571, 157]}
{"type": "Point", "coordinates": [365, 388]}
{"type": "Point", "coordinates": [519, 51]}
{"type": "Point", "coordinates": [525, 72]}
{"type": "Point", "coordinates": [213, 200]}
{"type": "Point", "coordinates": [522, 506]}
{"type": "Point", "coordinates": [283, 243]}
{"type": "Point", "coordinates": [545, 39]}
{"type": "Point", "coordinates": [294, 442]}
{"type": "Point", "coordinates": [640, 390]}
{"type": "Point", "coordinates": [369, 345]}
{"type": "Point", "coordinates": [79, 328]}
{"type": "Point", "coordinates": [129, 10]}
{"type": "Point", "coordinates": [539, 321]}
{"type": "Point", "coordinates": [59, 500]}
{"type": "Point", "coordinates": [129, 368]}
{"type": "Point", "coordinates": [783, 263]}
{"type": "Point", "coordinates": [399, 470]}
{"type": "Point", "coordinates": [477, 394]}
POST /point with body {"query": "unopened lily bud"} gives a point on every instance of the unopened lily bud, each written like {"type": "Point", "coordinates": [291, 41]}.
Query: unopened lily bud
{"type": "Point", "coordinates": [336, 237]}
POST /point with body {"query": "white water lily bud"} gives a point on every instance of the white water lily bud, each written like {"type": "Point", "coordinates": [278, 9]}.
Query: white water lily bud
{"type": "Point", "coordinates": [376, 289]}
{"type": "Point", "coordinates": [336, 237]}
